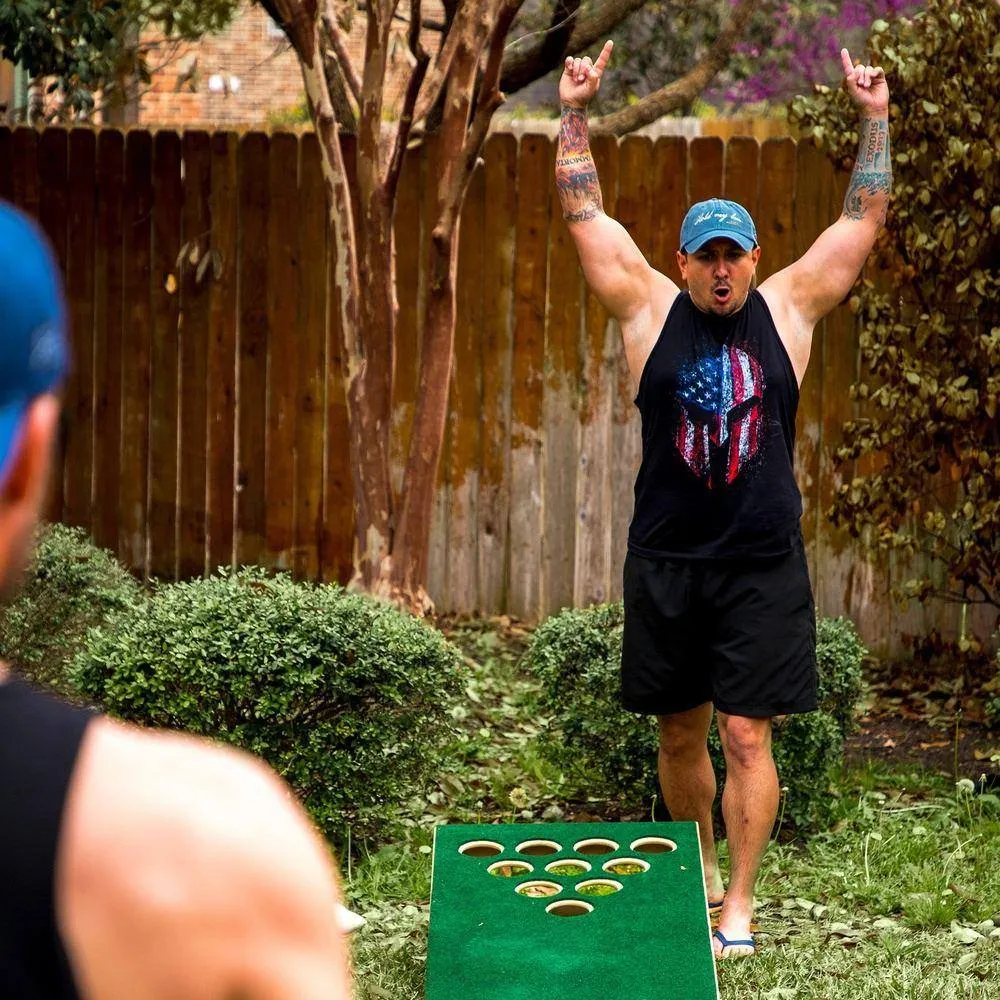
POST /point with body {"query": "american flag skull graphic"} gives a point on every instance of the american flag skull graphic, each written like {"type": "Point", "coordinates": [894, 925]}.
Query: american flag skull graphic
{"type": "Point", "coordinates": [720, 396]}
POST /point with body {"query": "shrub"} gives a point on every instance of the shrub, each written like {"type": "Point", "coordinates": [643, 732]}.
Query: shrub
{"type": "Point", "coordinates": [344, 696]}
{"type": "Point", "coordinates": [69, 586]}
{"type": "Point", "coordinates": [576, 656]}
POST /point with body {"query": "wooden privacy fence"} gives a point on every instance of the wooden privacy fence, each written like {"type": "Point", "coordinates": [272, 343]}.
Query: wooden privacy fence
{"type": "Point", "coordinates": [206, 417]}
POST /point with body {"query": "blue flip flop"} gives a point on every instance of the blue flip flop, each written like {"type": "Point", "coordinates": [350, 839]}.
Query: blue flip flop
{"type": "Point", "coordinates": [746, 943]}
{"type": "Point", "coordinates": [717, 905]}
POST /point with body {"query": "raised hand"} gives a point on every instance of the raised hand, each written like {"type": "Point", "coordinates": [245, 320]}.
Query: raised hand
{"type": "Point", "coordinates": [581, 78]}
{"type": "Point", "coordinates": [867, 86]}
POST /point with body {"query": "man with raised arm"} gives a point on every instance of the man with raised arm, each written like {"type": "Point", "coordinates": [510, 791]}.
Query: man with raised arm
{"type": "Point", "coordinates": [718, 605]}
{"type": "Point", "coordinates": [135, 864]}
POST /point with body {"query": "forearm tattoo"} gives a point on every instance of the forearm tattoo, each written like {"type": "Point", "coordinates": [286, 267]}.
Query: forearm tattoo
{"type": "Point", "coordinates": [871, 182]}
{"type": "Point", "coordinates": [576, 176]}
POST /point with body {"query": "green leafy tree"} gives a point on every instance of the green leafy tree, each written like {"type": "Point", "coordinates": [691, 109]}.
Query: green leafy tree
{"type": "Point", "coordinates": [928, 437]}
{"type": "Point", "coordinates": [85, 46]}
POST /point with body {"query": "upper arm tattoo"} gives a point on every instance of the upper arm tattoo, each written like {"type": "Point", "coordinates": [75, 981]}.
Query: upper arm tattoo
{"type": "Point", "coordinates": [871, 181]}
{"type": "Point", "coordinates": [576, 176]}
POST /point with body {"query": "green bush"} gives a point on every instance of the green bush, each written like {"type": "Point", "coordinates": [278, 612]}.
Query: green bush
{"type": "Point", "coordinates": [344, 696]}
{"type": "Point", "coordinates": [576, 657]}
{"type": "Point", "coordinates": [69, 586]}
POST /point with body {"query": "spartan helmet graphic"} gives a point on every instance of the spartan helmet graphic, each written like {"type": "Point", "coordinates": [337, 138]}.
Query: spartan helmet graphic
{"type": "Point", "coordinates": [720, 396]}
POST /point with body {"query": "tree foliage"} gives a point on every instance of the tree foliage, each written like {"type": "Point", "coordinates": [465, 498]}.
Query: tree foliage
{"type": "Point", "coordinates": [928, 436]}
{"type": "Point", "coordinates": [84, 46]}
{"type": "Point", "coordinates": [787, 47]}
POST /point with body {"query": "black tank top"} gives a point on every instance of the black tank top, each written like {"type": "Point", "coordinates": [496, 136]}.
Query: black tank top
{"type": "Point", "coordinates": [39, 740]}
{"type": "Point", "coordinates": [717, 399]}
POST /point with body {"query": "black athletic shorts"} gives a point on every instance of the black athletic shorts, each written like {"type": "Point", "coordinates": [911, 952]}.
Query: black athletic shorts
{"type": "Point", "coordinates": [738, 633]}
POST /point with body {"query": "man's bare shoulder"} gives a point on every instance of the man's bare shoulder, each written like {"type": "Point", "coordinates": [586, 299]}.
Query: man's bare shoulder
{"type": "Point", "coordinates": [175, 846]}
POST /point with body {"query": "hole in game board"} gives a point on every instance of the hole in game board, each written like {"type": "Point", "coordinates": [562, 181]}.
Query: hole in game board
{"type": "Point", "coordinates": [538, 889]}
{"type": "Point", "coordinates": [481, 849]}
{"type": "Point", "coordinates": [598, 887]}
{"type": "Point", "coordinates": [653, 845]}
{"type": "Point", "coordinates": [596, 845]}
{"type": "Point", "coordinates": [569, 908]}
{"type": "Point", "coordinates": [571, 867]}
{"type": "Point", "coordinates": [538, 847]}
{"type": "Point", "coordinates": [508, 869]}
{"type": "Point", "coordinates": [626, 866]}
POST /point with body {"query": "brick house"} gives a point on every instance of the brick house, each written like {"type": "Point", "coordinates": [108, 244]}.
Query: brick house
{"type": "Point", "coordinates": [247, 73]}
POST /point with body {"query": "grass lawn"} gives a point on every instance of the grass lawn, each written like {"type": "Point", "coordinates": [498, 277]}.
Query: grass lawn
{"type": "Point", "coordinates": [899, 900]}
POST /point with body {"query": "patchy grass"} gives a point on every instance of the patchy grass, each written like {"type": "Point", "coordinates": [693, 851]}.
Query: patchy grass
{"type": "Point", "coordinates": [899, 900]}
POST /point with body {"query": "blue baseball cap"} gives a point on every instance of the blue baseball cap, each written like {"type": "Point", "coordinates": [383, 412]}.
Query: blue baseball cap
{"type": "Point", "coordinates": [715, 218]}
{"type": "Point", "coordinates": [34, 352]}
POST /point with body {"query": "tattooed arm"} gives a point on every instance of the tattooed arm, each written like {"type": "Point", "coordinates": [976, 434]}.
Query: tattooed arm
{"type": "Point", "coordinates": [819, 280]}
{"type": "Point", "coordinates": [616, 271]}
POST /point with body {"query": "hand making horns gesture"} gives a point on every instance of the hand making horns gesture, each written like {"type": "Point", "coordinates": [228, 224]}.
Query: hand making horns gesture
{"type": "Point", "coordinates": [866, 85]}
{"type": "Point", "coordinates": [581, 78]}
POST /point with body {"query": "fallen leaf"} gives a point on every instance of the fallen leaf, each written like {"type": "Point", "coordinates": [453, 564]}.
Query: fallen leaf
{"type": "Point", "coordinates": [935, 745]}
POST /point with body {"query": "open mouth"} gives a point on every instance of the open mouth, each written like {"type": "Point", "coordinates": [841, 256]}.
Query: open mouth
{"type": "Point", "coordinates": [722, 294]}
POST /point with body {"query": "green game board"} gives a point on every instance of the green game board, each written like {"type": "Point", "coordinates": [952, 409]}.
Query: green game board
{"type": "Point", "coordinates": [649, 940]}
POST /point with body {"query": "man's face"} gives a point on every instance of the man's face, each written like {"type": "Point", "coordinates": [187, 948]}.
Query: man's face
{"type": "Point", "coordinates": [719, 275]}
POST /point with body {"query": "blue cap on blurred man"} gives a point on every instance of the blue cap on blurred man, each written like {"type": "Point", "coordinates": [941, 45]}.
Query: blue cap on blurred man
{"type": "Point", "coordinates": [714, 219]}
{"type": "Point", "coordinates": [34, 353]}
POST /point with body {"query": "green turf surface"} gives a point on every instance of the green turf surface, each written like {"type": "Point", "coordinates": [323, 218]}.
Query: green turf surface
{"type": "Point", "coordinates": [648, 941]}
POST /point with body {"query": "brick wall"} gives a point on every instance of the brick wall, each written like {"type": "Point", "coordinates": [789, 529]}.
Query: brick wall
{"type": "Point", "coordinates": [248, 71]}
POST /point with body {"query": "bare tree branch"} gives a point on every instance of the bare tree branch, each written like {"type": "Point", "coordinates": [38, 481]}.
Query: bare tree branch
{"type": "Point", "coordinates": [339, 43]}
{"type": "Point", "coordinates": [527, 62]}
{"type": "Point", "coordinates": [490, 96]}
{"type": "Point", "coordinates": [344, 109]}
{"type": "Point", "coordinates": [409, 101]}
{"type": "Point", "coordinates": [442, 63]}
{"type": "Point", "coordinates": [681, 92]}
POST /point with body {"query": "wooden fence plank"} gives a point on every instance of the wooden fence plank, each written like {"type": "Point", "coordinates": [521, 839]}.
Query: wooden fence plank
{"type": "Point", "coordinates": [592, 583]}
{"type": "Point", "coordinates": [670, 203]}
{"type": "Point", "coordinates": [251, 391]}
{"type": "Point", "coordinates": [282, 348]}
{"type": "Point", "coordinates": [133, 484]}
{"type": "Point", "coordinates": [560, 414]}
{"type": "Point", "coordinates": [53, 150]}
{"type": "Point", "coordinates": [705, 174]}
{"type": "Point", "coordinates": [409, 277]}
{"type": "Point", "coordinates": [197, 276]}
{"type": "Point", "coordinates": [775, 206]}
{"type": "Point", "coordinates": [78, 403]}
{"type": "Point", "coordinates": [338, 496]}
{"type": "Point", "coordinates": [466, 406]}
{"type": "Point", "coordinates": [109, 298]}
{"type": "Point", "coordinates": [310, 418]}
{"type": "Point", "coordinates": [6, 164]}
{"type": "Point", "coordinates": [437, 555]}
{"type": "Point", "coordinates": [497, 343]}
{"type": "Point", "coordinates": [168, 202]}
{"type": "Point", "coordinates": [221, 446]}
{"type": "Point", "coordinates": [837, 368]}
{"type": "Point", "coordinates": [635, 213]}
{"type": "Point", "coordinates": [534, 182]}
{"type": "Point", "coordinates": [742, 173]}
{"type": "Point", "coordinates": [24, 170]}
{"type": "Point", "coordinates": [812, 200]}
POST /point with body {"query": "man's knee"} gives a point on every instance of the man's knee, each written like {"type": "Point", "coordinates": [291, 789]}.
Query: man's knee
{"type": "Point", "coordinates": [745, 742]}
{"type": "Point", "coordinates": [685, 735]}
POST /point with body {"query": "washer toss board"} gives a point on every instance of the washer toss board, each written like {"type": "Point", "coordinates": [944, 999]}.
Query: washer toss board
{"type": "Point", "coordinates": [622, 917]}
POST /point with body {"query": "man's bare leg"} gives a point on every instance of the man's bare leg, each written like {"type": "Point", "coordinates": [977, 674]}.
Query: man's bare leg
{"type": "Point", "coordinates": [687, 781]}
{"type": "Point", "coordinates": [749, 807]}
